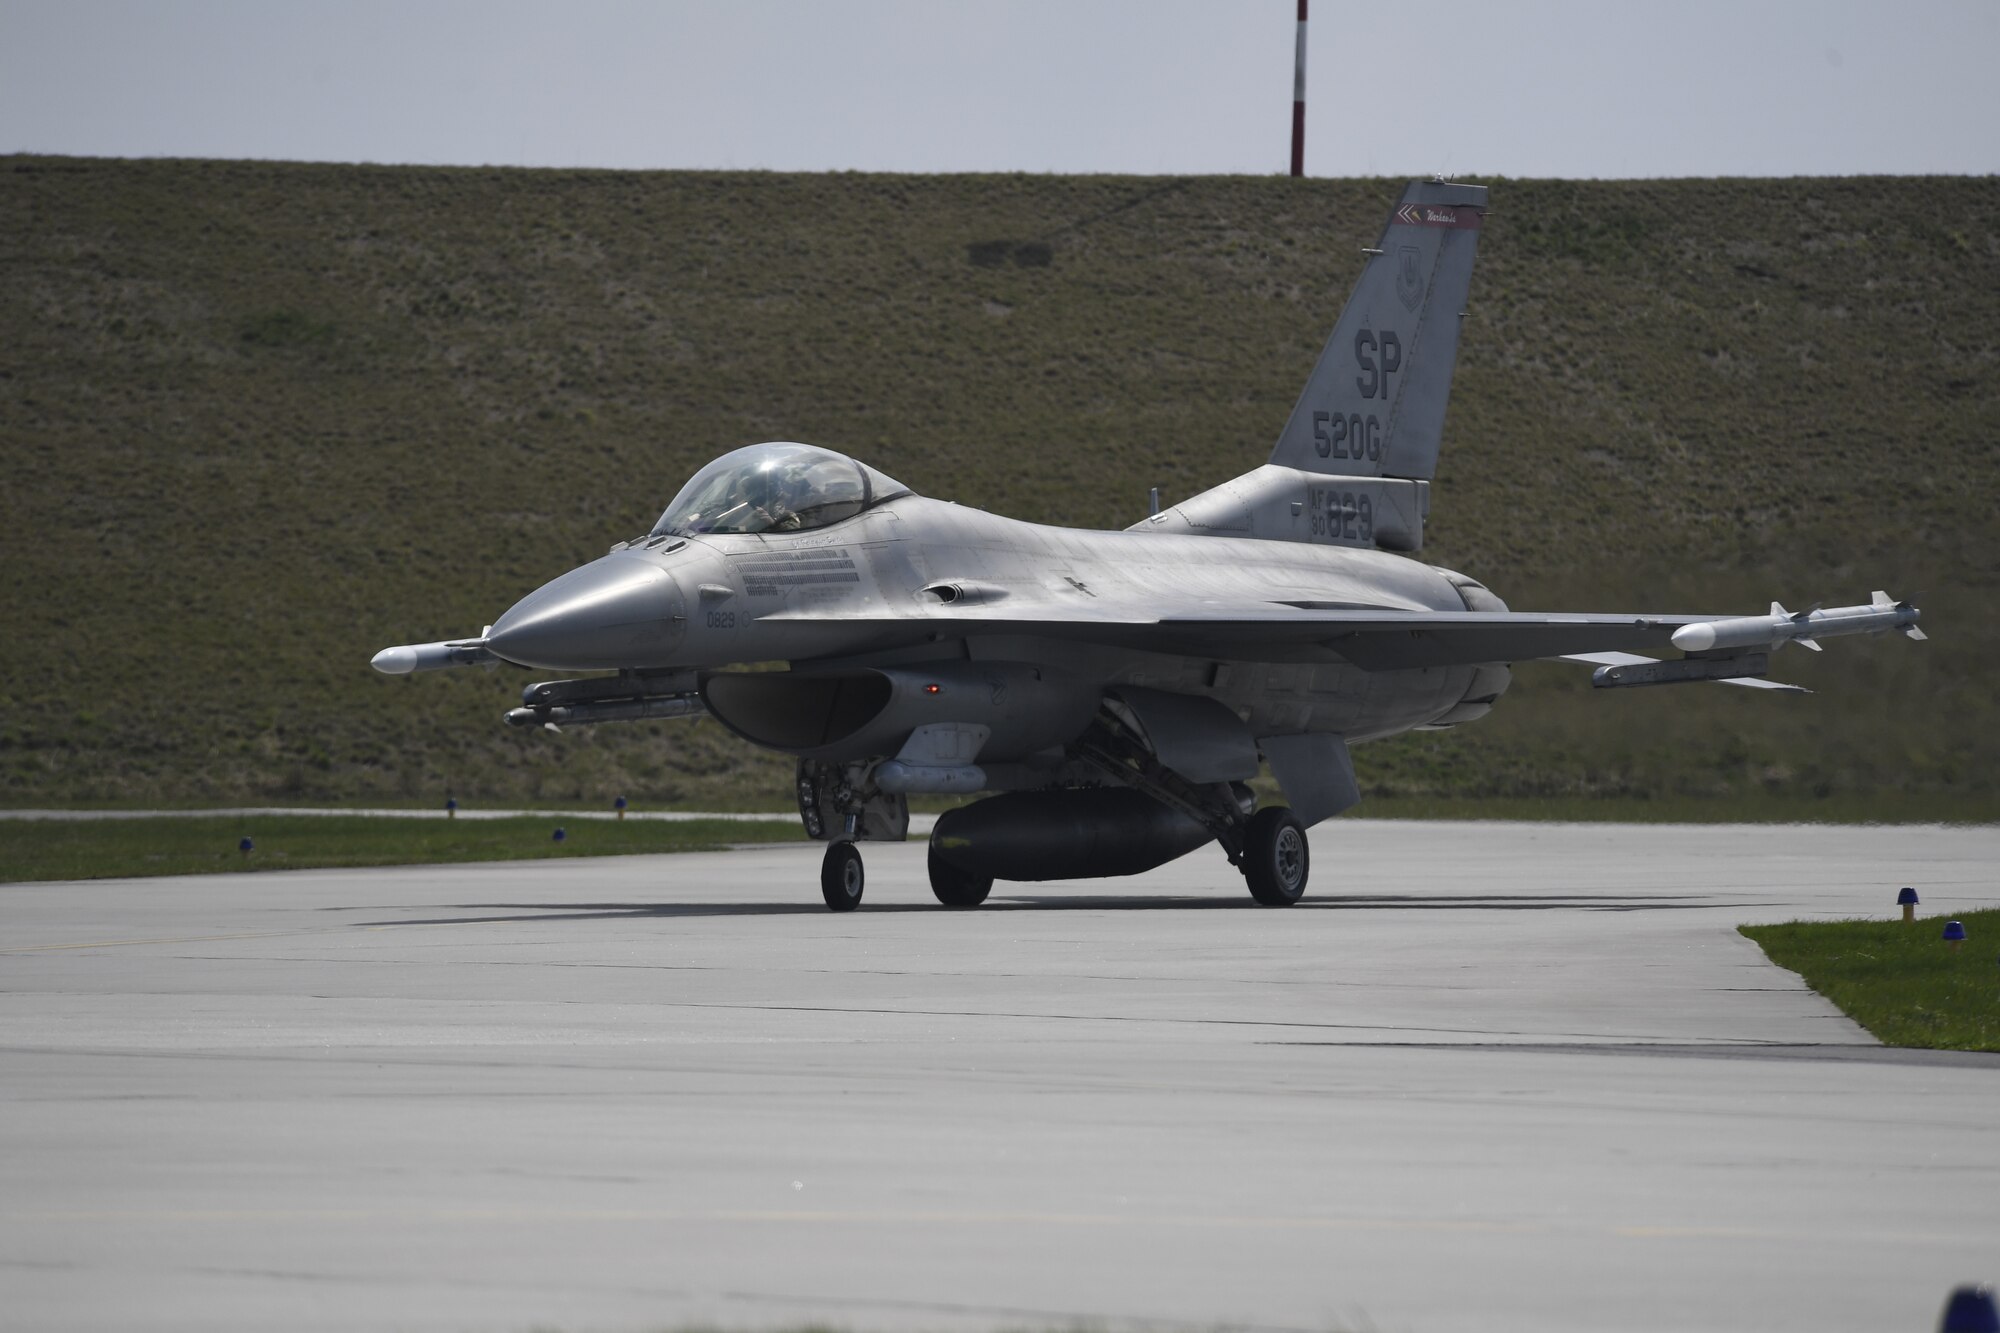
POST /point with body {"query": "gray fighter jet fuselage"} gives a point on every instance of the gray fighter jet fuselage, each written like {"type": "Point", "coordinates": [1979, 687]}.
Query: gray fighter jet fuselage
{"type": "Point", "coordinates": [915, 579]}
{"type": "Point", "coordinates": [1112, 691]}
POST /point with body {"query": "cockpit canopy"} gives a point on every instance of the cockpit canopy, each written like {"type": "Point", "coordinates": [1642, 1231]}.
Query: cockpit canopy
{"type": "Point", "coordinates": [779, 487]}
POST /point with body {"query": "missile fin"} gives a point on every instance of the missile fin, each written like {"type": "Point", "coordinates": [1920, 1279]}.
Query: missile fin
{"type": "Point", "coordinates": [1809, 643]}
{"type": "Point", "coordinates": [1909, 604]}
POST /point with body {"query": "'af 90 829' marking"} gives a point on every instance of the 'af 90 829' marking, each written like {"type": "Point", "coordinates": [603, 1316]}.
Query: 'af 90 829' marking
{"type": "Point", "coordinates": [1340, 515]}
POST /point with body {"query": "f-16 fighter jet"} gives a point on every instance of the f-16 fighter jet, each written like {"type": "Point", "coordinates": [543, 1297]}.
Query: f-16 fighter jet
{"type": "Point", "coordinates": [1112, 691]}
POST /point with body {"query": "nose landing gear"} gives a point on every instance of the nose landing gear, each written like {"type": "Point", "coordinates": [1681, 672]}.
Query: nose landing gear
{"type": "Point", "coordinates": [839, 802]}
{"type": "Point", "coordinates": [842, 876]}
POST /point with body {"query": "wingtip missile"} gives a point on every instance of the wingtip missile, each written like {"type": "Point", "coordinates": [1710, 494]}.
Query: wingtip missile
{"type": "Point", "coordinates": [1805, 627]}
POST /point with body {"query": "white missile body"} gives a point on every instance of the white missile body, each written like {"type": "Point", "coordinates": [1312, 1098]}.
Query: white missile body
{"type": "Point", "coordinates": [1878, 616]}
{"type": "Point", "coordinates": [405, 658]}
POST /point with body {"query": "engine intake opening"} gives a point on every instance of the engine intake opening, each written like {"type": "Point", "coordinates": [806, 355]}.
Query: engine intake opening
{"type": "Point", "coordinates": [788, 712]}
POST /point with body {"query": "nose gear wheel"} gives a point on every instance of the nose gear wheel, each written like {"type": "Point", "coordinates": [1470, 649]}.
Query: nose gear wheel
{"type": "Point", "coordinates": [842, 877]}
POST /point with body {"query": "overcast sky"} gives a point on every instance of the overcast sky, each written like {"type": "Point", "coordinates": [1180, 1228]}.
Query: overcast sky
{"type": "Point", "coordinates": [1605, 88]}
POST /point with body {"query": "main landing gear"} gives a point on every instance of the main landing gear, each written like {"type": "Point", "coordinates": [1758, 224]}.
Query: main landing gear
{"type": "Point", "coordinates": [1269, 847]}
{"type": "Point", "coordinates": [1275, 856]}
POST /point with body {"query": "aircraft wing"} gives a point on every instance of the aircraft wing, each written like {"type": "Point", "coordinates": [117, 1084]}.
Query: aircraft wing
{"type": "Point", "coordinates": [1374, 639]}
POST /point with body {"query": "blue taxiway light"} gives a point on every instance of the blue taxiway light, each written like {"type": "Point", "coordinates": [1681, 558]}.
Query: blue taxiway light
{"type": "Point", "coordinates": [244, 846]}
{"type": "Point", "coordinates": [1954, 930]}
{"type": "Point", "coordinates": [1907, 897]}
{"type": "Point", "coordinates": [560, 835]}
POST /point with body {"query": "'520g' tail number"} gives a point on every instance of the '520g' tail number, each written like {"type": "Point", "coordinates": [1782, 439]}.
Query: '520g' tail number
{"type": "Point", "coordinates": [1356, 434]}
{"type": "Point", "coordinates": [1351, 436]}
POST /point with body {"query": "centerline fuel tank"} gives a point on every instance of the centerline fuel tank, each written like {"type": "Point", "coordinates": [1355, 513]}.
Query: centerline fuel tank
{"type": "Point", "coordinates": [1082, 834]}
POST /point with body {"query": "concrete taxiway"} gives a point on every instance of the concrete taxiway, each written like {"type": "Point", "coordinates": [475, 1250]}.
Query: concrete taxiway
{"type": "Point", "coordinates": [1488, 1076]}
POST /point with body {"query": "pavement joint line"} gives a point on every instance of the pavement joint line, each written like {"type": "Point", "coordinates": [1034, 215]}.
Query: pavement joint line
{"type": "Point", "coordinates": [929, 1217]}
{"type": "Point", "coordinates": [1315, 983]}
{"type": "Point", "coordinates": [180, 939]}
{"type": "Point", "coordinates": [1121, 1018]}
{"type": "Point", "coordinates": [1042, 1317]}
{"type": "Point", "coordinates": [1714, 1048]}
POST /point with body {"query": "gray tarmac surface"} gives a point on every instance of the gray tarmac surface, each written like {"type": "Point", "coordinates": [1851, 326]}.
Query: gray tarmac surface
{"type": "Point", "coordinates": [1490, 1076]}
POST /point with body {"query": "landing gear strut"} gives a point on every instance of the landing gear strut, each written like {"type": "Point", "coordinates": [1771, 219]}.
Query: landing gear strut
{"type": "Point", "coordinates": [842, 877]}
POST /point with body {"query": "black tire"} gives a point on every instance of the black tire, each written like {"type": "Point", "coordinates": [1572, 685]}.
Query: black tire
{"type": "Point", "coordinates": [953, 887]}
{"type": "Point", "coordinates": [1276, 857]}
{"type": "Point", "coordinates": [841, 877]}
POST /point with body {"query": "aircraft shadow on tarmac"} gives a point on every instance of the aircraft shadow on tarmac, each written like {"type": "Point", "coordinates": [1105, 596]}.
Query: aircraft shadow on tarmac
{"type": "Point", "coordinates": [529, 913]}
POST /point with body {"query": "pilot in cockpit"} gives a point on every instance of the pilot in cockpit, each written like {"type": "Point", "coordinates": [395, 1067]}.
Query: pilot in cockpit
{"type": "Point", "coordinates": [781, 486]}
{"type": "Point", "coordinates": [777, 496]}
{"type": "Point", "coordinates": [792, 497]}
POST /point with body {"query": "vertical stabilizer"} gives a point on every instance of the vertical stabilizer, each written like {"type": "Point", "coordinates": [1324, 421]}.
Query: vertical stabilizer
{"type": "Point", "coordinates": [1374, 406]}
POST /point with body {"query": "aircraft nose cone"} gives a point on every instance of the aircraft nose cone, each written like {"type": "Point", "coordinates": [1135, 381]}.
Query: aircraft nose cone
{"type": "Point", "coordinates": [620, 611]}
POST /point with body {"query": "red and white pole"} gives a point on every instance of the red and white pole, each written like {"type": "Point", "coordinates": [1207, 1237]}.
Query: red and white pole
{"type": "Point", "coordinates": [1299, 99]}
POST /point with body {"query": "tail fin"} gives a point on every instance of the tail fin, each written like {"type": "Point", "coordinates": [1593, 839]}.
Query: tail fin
{"type": "Point", "coordinates": [1374, 406]}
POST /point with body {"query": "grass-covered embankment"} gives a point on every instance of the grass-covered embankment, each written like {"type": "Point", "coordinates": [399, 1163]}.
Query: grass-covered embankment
{"type": "Point", "coordinates": [1901, 981]}
{"type": "Point", "coordinates": [34, 849]}
{"type": "Point", "coordinates": [262, 419]}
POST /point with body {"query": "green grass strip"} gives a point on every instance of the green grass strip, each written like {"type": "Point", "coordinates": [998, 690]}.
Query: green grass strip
{"type": "Point", "coordinates": [1746, 808]}
{"type": "Point", "coordinates": [1901, 981]}
{"type": "Point", "coordinates": [103, 848]}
